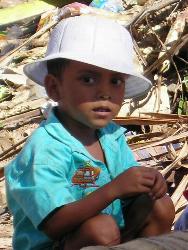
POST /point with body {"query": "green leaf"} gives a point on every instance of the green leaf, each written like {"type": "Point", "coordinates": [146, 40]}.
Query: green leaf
{"type": "Point", "coordinates": [183, 107]}
{"type": "Point", "coordinates": [4, 92]}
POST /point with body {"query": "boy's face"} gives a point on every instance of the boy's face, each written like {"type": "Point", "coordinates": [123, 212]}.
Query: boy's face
{"type": "Point", "coordinates": [86, 94]}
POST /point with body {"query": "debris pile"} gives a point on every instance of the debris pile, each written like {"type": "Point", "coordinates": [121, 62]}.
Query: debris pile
{"type": "Point", "coordinates": [157, 123]}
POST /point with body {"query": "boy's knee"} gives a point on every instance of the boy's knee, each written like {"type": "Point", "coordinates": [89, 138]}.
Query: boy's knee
{"type": "Point", "coordinates": [102, 230]}
{"type": "Point", "coordinates": [164, 210]}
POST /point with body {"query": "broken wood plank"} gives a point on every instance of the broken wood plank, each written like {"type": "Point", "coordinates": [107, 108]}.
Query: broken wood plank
{"type": "Point", "coordinates": [179, 190]}
{"type": "Point", "coordinates": [183, 154]}
{"type": "Point", "coordinates": [166, 140]}
{"type": "Point", "coordinates": [13, 147]}
{"type": "Point", "coordinates": [20, 117]}
{"type": "Point", "coordinates": [131, 120]}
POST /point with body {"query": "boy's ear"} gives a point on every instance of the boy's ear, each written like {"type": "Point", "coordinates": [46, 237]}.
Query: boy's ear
{"type": "Point", "coordinates": [51, 86]}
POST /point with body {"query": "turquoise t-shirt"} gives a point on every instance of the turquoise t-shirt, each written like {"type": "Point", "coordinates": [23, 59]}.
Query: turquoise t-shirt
{"type": "Point", "coordinates": [54, 169]}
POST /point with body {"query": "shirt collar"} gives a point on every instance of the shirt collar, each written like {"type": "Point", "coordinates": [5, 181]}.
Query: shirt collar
{"type": "Point", "coordinates": [56, 129]}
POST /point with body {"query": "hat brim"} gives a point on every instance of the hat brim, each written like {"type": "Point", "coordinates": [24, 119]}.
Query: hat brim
{"type": "Point", "coordinates": [136, 85]}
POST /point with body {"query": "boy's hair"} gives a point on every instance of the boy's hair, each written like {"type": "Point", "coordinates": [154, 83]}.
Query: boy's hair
{"type": "Point", "coordinates": [57, 66]}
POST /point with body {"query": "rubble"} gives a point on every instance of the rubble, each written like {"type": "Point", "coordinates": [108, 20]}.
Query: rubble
{"type": "Point", "coordinates": [157, 123]}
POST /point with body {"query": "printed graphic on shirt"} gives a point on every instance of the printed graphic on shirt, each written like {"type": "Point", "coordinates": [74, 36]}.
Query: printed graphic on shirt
{"type": "Point", "coordinates": [86, 176]}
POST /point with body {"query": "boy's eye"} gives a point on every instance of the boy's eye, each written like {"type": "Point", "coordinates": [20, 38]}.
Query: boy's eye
{"type": "Point", "coordinates": [117, 81]}
{"type": "Point", "coordinates": [88, 80]}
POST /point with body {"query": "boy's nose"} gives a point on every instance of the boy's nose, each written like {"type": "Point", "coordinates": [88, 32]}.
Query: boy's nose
{"type": "Point", "coordinates": [104, 91]}
{"type": "Point", "coordinates": [105, 97]}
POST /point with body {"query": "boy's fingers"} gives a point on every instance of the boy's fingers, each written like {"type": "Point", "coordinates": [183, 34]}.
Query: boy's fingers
{"type": "Point", "coordinates": [148, 173]}
{"type": "Point", "coordinates": [147, 182]}
{"type": "Point", "coordinates": [149, 176]}
{"type": "Point", "coordinates": [144, 189]}
{"type": "Point", "coordinates": [160, 193]}
{"type": "Point", "coordinates": [160, 187]}
{"type": "Point", "coordinates": [159, 180]}
{"type": "Point", "coordinates": [148, 170]}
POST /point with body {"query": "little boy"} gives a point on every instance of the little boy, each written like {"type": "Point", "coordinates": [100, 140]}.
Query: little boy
{"type": "Point", "coordinates": [67, 183]}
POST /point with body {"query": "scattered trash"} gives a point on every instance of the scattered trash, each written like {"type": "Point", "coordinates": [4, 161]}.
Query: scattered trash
{"type": "Point", "coordinates": [110, 5]}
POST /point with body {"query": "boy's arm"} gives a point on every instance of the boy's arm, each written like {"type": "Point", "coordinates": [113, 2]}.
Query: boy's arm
{"type": "Point", "coordinates": [68, 217]}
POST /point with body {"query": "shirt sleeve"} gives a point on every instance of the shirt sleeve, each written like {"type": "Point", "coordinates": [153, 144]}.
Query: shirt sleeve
{"type": "Point", "coordinates": [39, 190]}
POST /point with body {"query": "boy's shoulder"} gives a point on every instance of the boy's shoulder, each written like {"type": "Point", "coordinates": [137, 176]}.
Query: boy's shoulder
{"type": "Point", "coordinates": [113, 129]}
{"type": "Point", "coordinates": [50, 130]}
{"type": "Point", "coordinates": [43, 147]}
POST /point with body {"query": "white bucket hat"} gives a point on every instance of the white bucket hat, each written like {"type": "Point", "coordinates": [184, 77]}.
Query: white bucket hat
{"type": "Point", "coordinates": [93, 40]}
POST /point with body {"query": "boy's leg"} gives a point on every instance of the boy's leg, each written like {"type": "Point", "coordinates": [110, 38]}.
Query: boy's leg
{"type": "Point", "coordinates": [145, 217]}
{"type": "Point", "coordinates": [135, 214]}
{"type": "Point", "coordinates": [160, 219]}
{"type": "Point", "coordinates": [99, 230]}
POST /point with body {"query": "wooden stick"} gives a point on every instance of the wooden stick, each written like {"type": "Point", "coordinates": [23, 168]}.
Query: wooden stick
{"type": "Point", "coordinates": [183, 153]}
{"type": "Point", "coordinates": [22, 116]}
{"type": "Point", "coordinates": [179, 190]}
{"type": "Point", "coordinates": [164, 141]}
{"type": "Point", "coordinates": [13, 147]}
{"type": "Point", "coordinates": [148, 9]}
{"type": "Point", "coordinates": [147, 121]}
{"type": "Point", "coordinates": [162, 115]}
{"type": "Point", "coordinates": [180, 43]}
{"type": "Point", "coordinates": [5, 59]}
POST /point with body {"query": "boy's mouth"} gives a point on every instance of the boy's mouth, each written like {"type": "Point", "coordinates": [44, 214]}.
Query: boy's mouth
{"type": "Point", "coordinates": [101, 110]}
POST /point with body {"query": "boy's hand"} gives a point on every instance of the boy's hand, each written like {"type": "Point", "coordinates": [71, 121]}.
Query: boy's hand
{"type": "Point", "coordinates": [134, 181]}
{"type": "Point", "coordinates": [138, 180]}
{"type": "Point", "coordinates": [159, 188]}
